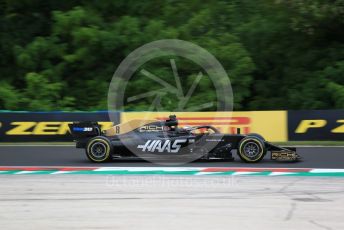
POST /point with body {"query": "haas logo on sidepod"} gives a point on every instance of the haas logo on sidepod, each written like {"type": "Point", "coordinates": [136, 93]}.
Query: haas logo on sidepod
{"type": "Point", "coordinates": [161, 146]}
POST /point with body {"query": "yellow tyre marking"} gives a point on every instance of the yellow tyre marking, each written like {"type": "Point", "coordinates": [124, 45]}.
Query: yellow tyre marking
{"type": "Point", "coordinates": [243, 155]}
{"type": "Point", "coordinates": [106, 154]}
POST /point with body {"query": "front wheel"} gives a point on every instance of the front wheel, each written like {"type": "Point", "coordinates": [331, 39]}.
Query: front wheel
{"type": "Point", "coordinates": [251, 149]}
{"type": "Point", "coordinates": [98, 149]}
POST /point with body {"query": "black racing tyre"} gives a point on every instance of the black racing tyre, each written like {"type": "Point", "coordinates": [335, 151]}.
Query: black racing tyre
{"type": "Point", "coordinates": [256, 135]}
{"type": "Point", "coordinates": [98, 149]}
{"type": "Point", "coordinates": [251, 149]}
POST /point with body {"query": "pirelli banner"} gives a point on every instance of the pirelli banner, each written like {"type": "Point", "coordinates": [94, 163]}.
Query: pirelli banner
{"type": "Point", "coordinates": [50, 126]}
{"type": "Point", "coordinates": [271, 124]}
{"type": "Point", "coordinates": [316, 125]}
{"type": "Point", "coordinates": [275, 126]}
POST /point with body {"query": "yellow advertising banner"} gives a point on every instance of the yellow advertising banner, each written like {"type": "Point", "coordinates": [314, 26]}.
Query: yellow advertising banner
{"type": "Point", "coordinates": [272, 125]}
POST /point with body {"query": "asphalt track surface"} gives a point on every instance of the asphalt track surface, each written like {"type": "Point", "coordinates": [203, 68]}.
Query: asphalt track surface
{"type": "Point", "coordinates": [170, 202]}
{"type": "Point", "coordinates": [313, 157]}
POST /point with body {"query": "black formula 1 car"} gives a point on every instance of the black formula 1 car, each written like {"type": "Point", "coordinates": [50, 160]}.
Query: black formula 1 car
{"type": "Point", "coordinates": [164, 139]}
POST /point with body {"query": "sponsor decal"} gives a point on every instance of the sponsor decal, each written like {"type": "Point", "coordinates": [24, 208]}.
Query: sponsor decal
{"type": "Point", "coordinates": [38, 128]}
{"type": "Point", "coordinates": [151, 128]}
{"type": "Point", "coordinates": [47, 128]}
{"type": "Point", "coordinates": [316, 125]}
{"type": "Point", "coordinates": [162, 146]}
{"type": "Point", "coordinates": [84, 129]}
{"type": "Point", "coordinates": [217, 140]}
{"type": "Point", "coordinates": [305, 125]}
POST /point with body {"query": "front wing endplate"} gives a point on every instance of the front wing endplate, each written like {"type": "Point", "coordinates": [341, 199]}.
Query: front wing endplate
{"type": "Point", "coordinates": [283, 155]}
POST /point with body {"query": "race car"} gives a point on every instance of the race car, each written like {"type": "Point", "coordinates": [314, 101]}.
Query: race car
{"type": "Point", "coordinates": [165, 140]}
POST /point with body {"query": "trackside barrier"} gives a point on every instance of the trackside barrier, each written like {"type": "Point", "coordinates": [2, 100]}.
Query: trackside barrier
{"type": "Point", "coordinates": [322, 125]}
{"type": "Point", "coordinates": [45, 126]}
{"type": "Point", "coordinates": [271, 124]}
{"type": "Point", "coordinates": [276, 126]}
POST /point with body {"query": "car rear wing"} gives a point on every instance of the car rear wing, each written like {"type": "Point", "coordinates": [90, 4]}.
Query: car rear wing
{"type": "Point", "coordinates": [84, 129]}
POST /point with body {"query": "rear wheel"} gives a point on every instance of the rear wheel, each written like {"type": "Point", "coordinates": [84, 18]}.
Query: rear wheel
{"type": "Point", "coordinates": [98, 149]}
{"type": "Point", "coordinates": [251, 149]}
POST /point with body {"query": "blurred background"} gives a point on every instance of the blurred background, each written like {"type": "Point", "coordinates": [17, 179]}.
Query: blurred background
{"type": "Point", "coordinates": [283, 57]}
{"type": "Point", "coordinates": [61, 55]}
